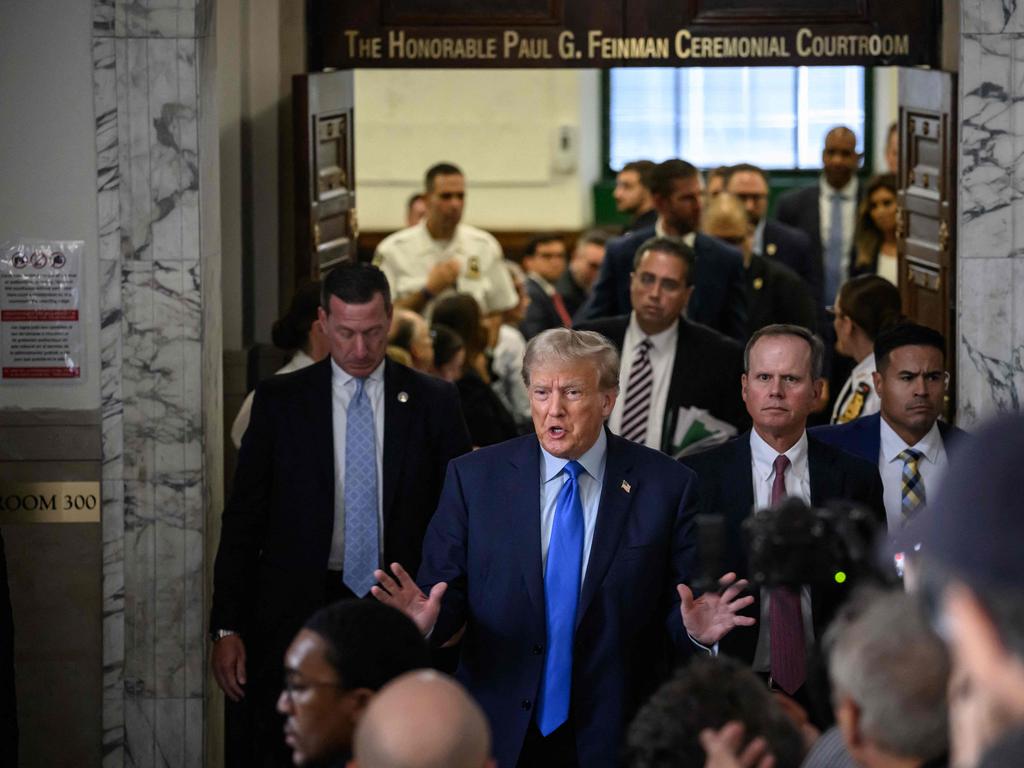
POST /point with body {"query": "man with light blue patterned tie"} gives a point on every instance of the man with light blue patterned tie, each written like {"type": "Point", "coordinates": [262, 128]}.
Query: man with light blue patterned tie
{"type": "Point", "coordinates": [339, 471]}
{"type": "Point", "coordinates": [560, 559]}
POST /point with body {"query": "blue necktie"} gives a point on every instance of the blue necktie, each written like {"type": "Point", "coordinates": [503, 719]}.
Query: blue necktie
{"type": "Point", "coordinates": [562, 594]}
{"type": "Point", "coordinates": [362, 541]}
{"type": "Point", "coordinates": [834, 250]}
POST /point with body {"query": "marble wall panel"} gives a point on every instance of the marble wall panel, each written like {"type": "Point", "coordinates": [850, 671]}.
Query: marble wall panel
{"type": "Point", "coordinates": [986, 148]}
{"type": "Point", "coordinates": [989, 375]}
{"type": "Point", "coordinates": [992, 16]}
{"type": "Point", "coordinates": [149, 140]}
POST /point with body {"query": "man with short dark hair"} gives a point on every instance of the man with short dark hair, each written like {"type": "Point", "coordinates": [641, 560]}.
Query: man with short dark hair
{"type": "Point", "coordinates": [827, 212]}
{"type": "Point", "coordinates": [545, 262]}
{"type": "Point", "coordinates": [772, 239]}
{"type": "Point", "coordinates": [777, 459]}
{"type": "Point", "coordinates": [339, 472]}
{"type": "Point", "coordinates": [632, 194]}
{"type": "Point", "coordinates": [562, 554]}
{"type": "Point", "coordinates": [341, 657]}
{"type": "Point", "coordinates": [673, 372]}
{"type": "Point", "coordinates": [708, 693]}
{"type": "Point", "coordinates": [442, 254]}
{"type": "Point", "coordinates": [905, 439]}
{"type": "Point", "coordinates": [718, 300]}
{"type": "Point", "coordinates": [889, 673]}
{"type": "Point", "coordinates": [577, 281]}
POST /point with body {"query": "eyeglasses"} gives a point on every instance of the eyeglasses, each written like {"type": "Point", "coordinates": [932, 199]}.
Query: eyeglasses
{"type": "Point", "coordinates": [291, 686]}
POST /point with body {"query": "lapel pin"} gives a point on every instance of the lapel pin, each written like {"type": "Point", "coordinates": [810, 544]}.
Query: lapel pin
{"type": "Point", "coordinates": [626, 486]}
{"type": "Point", "coordinates": [403, 397]}
{"type": "Point", "coordinates": [758, 283]}
{"type": "Point", "coordinates": [771, 249]}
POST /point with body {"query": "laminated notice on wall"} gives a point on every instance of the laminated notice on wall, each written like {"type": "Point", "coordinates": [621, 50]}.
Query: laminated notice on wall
{"type": "Point", "coordinates": [40, 325]}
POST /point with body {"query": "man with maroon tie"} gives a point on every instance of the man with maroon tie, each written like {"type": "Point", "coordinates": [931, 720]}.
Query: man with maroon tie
{"type": "Point", "coordinates": [776, 459]}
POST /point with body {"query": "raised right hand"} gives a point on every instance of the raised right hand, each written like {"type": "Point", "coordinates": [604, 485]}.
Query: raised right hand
{"type": "Point", "coordinates": [402, 593]}
{"type": "Point", "coordinates": [228, 662]}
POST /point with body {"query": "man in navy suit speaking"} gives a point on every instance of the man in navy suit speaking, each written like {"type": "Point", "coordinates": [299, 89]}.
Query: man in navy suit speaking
{"type": "Point", "coordinates": [561, 559]}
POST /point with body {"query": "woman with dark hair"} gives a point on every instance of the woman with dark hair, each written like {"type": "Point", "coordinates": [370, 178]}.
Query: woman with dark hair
{"type": "Point", "coordinates": [865, 306]}
{"type": "Point", "coordinates": [488, 420]}
{"type": "Point", "coordinates": [299, 332]}
{"type": "Point", "coordinates": [875, 236]}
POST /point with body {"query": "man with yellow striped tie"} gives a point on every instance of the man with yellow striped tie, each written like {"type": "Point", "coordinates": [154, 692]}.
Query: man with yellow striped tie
{"type": "Point", "coordinates": [906, 438]}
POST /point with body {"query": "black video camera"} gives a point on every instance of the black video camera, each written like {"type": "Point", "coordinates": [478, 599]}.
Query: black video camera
{"type": "Point", "coordinates": [792, 544]}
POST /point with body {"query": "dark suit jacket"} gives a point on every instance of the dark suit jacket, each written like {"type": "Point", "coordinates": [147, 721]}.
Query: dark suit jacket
{"type": "Point", "coordinates": [541, 314]}
{"type": "Point", "coordinates": [572, 293]}
{"type": "Point", "coordinates": [862, 437]}
{"type": "Point", "coordinates": [718, 300]}
{"type": "Point", "coordinates": [726, 488]}
{"type": "Point", "coordinates": [270, 570]}
{"type": "Point", "coordinates": [643, 221]}
{"type": "Point", "coordinates": [485, 542]}
{"type": "Point", "coordinates": [794, 248]}
{"type": "Point", "coordinates": [775, 294]}
{"type": "Point", "coordinates": [800, 208]}
{"type": "Point", "coordinates": [706, 373]}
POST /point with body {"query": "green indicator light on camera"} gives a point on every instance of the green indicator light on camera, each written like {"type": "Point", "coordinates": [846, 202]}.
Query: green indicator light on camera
{"type": "Point", "coordinates": [840, 577]}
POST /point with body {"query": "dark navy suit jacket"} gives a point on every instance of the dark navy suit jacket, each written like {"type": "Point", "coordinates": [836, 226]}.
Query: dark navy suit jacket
{"type": "Point", "coordinates": [793, 247]}
{"type": "Point", "coordinates": [541, 314]}
{"type": "Point", "coordinates": [726, 488]}
{"type": "Point", "coordinates": [485, 542]}
{"type": "Point", "coordinates": [862, 437]}
{"type": "Point", "coordinates": [718, 299]}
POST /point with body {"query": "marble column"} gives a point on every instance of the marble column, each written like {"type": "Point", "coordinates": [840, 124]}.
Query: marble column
{"type": "Point", "coordinates": [153, 160]}
{"type": "Point", "coordinates": [990, 275]}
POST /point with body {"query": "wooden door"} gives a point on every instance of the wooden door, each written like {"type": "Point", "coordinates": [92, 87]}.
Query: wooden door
{"type": "Point", "coordinates": [927, 199]}
{"type": "Point", "coordinates": [325, 194]}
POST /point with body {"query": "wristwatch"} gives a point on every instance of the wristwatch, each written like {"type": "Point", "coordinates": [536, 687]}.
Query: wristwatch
{"type": "Point", "coordinates": [220, 634]}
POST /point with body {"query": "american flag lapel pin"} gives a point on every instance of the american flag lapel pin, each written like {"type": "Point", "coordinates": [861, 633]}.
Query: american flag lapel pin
{"type": "Point", "coordinates": [626, 486]}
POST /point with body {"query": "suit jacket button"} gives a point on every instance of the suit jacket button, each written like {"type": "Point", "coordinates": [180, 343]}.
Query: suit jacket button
{"type": "Point", "coordinates": [525, 704]}
{"type": "Point", "coordinates": [538, 650]}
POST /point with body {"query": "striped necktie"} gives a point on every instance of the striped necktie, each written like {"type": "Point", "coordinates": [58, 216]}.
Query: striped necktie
{"type": "Point", "coordinates": [912, 490]}
{"type": "Point", "coordinates": [638, 394]}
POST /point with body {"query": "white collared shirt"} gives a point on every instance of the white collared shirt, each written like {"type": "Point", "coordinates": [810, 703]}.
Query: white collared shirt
{"type": "Point", "coordinates": [849, 209]}
{"type": "Point", "coordinates": [798, 485]}
{"type": "Point", "coordinates": [591, 479]}
{"type": "Point", "coordinates": [690, 238]}
{"type": "Point", "coordinates": [932, 466]}
{"type": "Point", "coordinates": [663, 358]}
{"type": "Point", "coordinates": [343, 387]}
{"type": "Point", "coordinates": [758, 246]}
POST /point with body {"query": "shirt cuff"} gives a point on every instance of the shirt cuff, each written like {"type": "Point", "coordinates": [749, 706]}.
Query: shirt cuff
{"type": "Point", "coordinates": [712, 651]}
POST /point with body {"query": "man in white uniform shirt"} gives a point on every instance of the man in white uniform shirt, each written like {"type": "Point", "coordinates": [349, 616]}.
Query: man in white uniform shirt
{"type": "Point", "coordinates": [441, 253]}
{"type": "Point", "coordinates": [905, 439]}
{"type": "Point", "coordinates": [669, 364]}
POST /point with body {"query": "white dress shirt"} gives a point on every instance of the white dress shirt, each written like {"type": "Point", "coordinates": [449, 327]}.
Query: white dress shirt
{"type": "Point", "coordinates": [663, 358]}
{"type": "Point", "coordinates": [849, 208]}
{"type": "Point", "coordinates": [591, 479]}
{"type": "Point", "coordinates": [798, 485]}
{"type": "Point", "coordinates": [690, 238]}
{"type": "Point", "coordinates": [343, 387]}
{"type": "Point", "coordinates": [932, 466]}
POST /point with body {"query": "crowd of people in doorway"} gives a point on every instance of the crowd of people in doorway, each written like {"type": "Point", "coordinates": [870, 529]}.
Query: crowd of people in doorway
{"type": "Point", "coordinates": [619, 501]}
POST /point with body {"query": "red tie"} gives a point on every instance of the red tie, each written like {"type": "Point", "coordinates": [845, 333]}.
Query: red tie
{"type": "Point", "coordinates": [785, 618]}
{"type": "Point", "coordinates": [563, 313]}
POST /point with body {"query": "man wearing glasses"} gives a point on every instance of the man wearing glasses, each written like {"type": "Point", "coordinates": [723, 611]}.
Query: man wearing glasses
{"type": "Point", "coordinates": [337, 662]}
{"type": "Point", "coordinates": [906, 439]}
